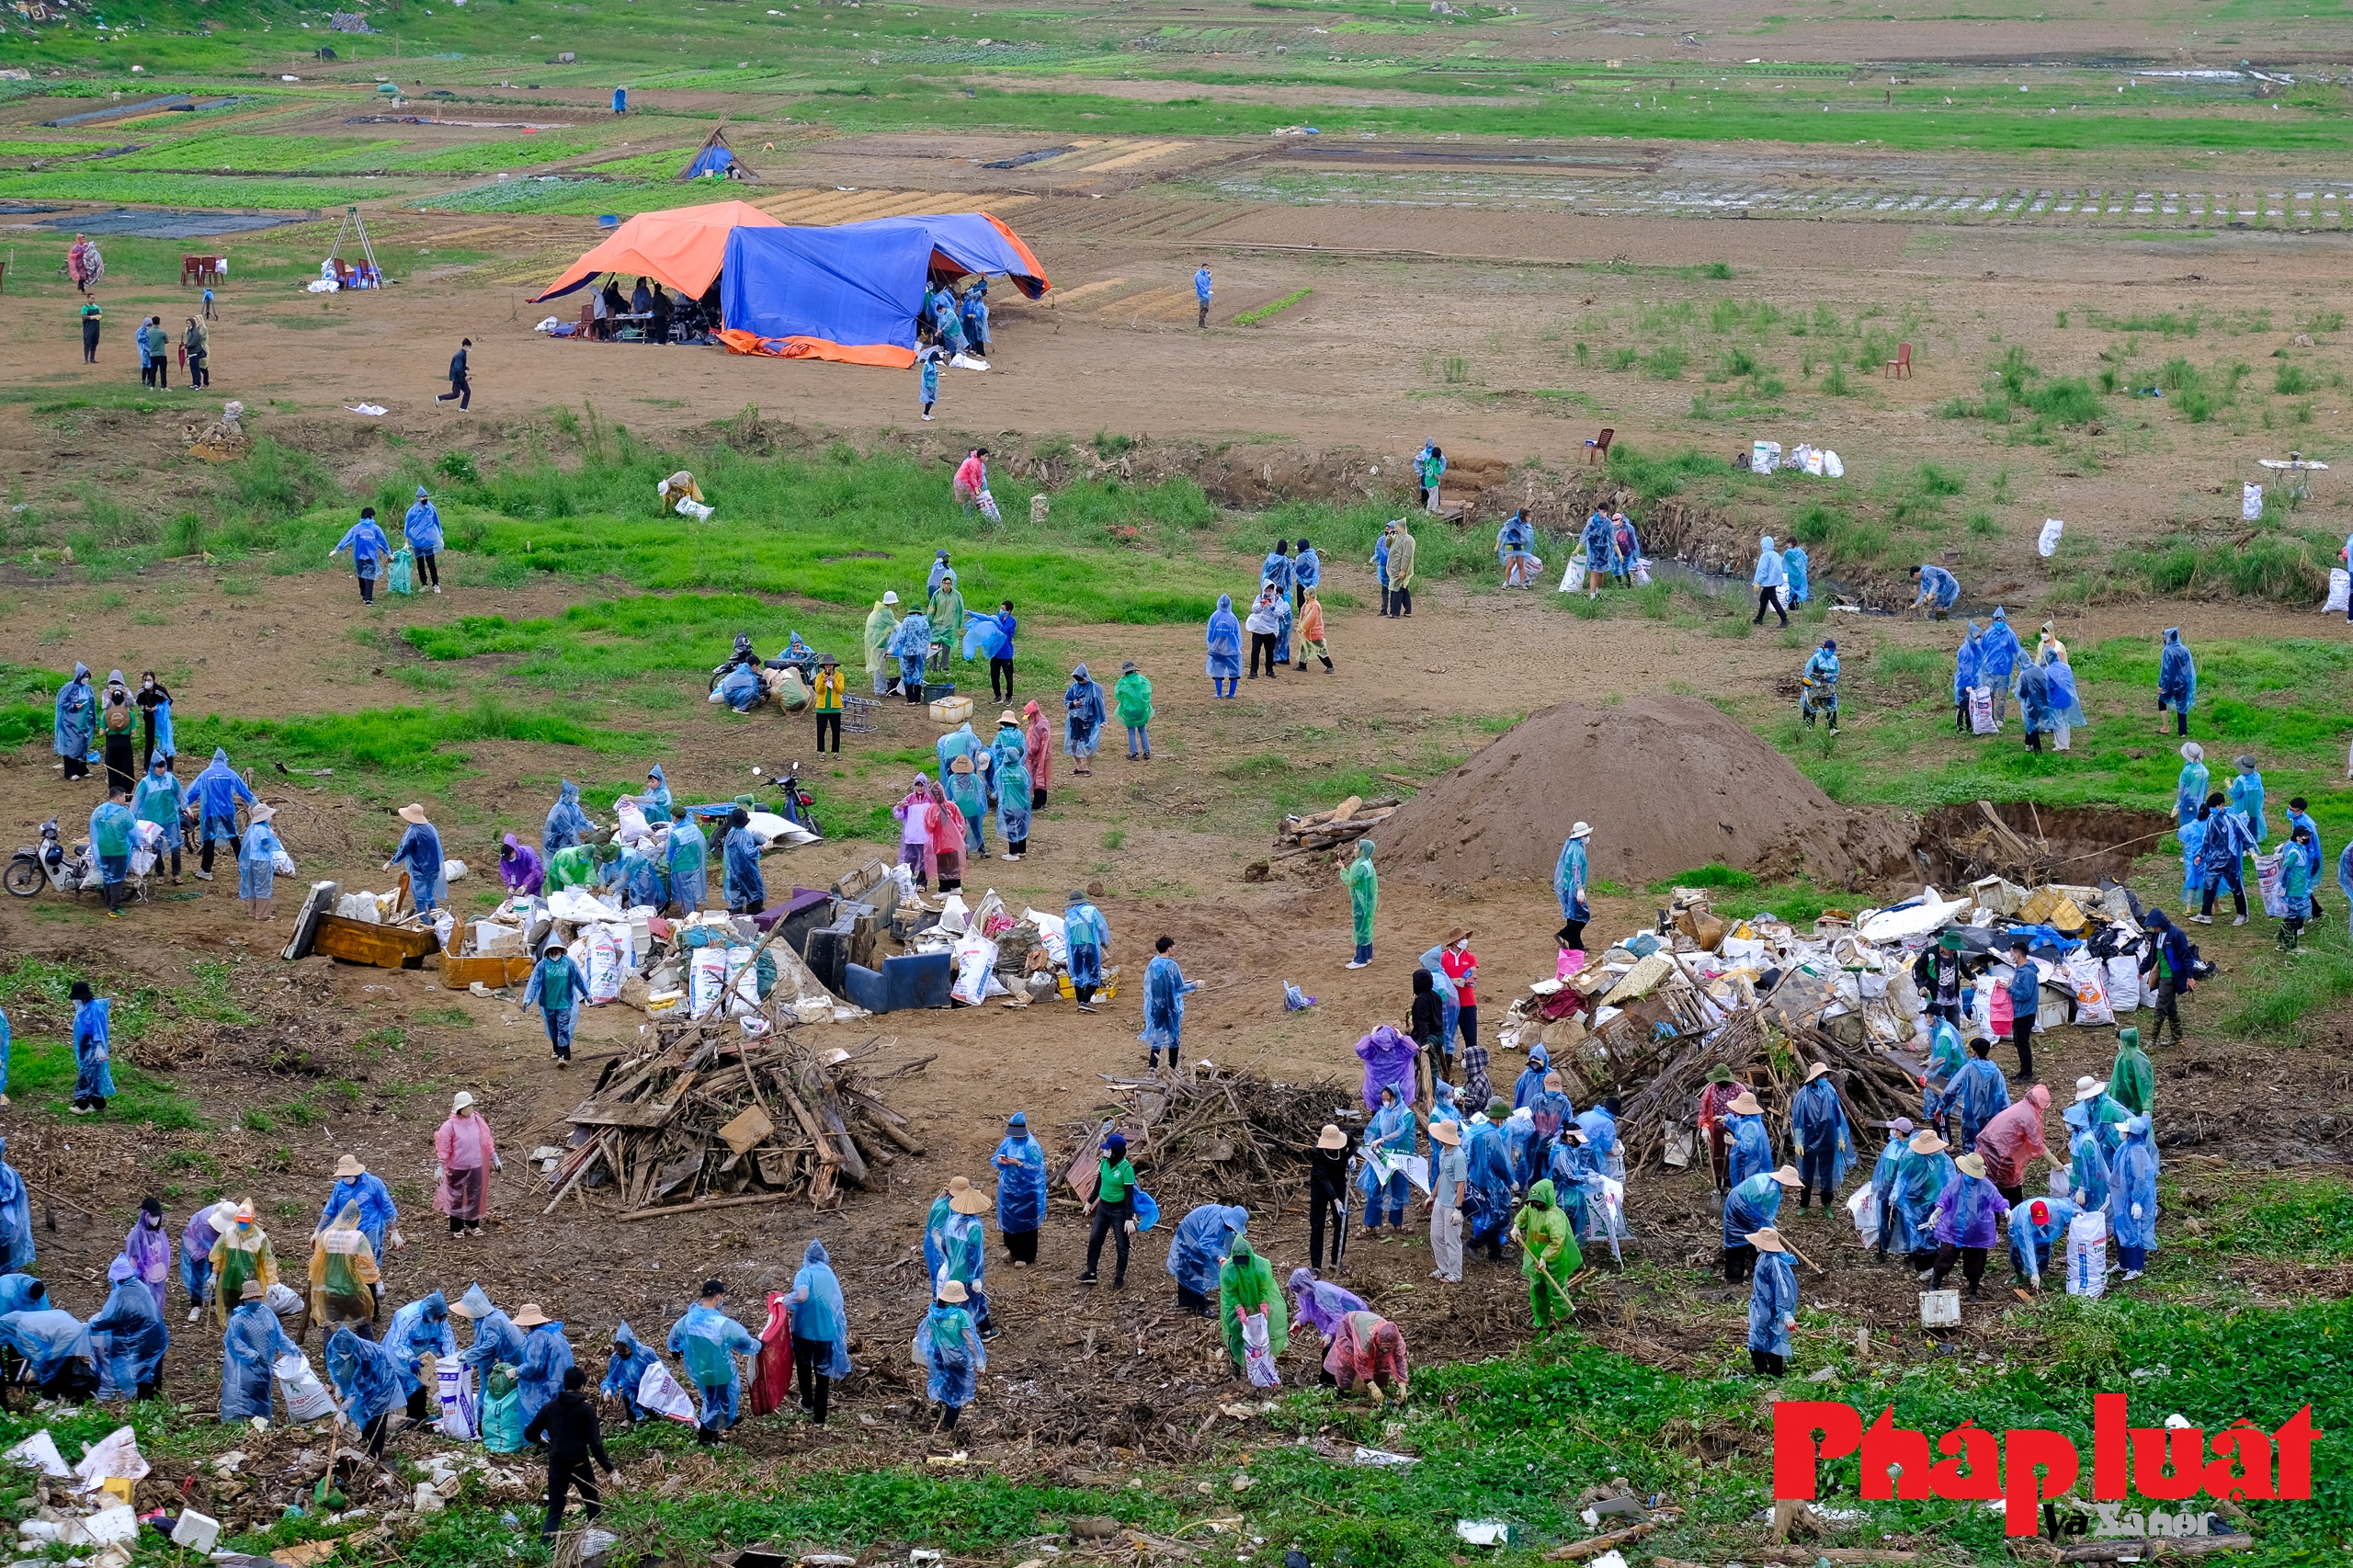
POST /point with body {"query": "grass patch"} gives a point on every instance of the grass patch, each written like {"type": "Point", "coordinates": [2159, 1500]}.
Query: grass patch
{"type": "Point", "coordinates": [1273, 307]}
{"type": "Point", "coordinates": [2306, 1218]}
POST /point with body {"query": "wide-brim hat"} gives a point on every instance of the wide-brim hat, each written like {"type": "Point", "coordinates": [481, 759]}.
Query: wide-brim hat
{"type": "Point", "coordinates": [1582, 830]}
{"type": "Point", "coordinates": [2090, 1089]}
{"type": "Point", "coordinates": [1459, 934]}
{"type": "Point", "coordinates": [828, 661]}
{"type": "Point", "coordinates": [1952, 942]}
{"type": "Point", "coordinates": [531, 1316]}
{"type": "Point", "coordinates": [890, 597]}
{"type": "Point", "coordinates": [1925, 1142]}
{"type": "Point", "coordinates": [464, 1311]}
{"type": "Point", "coordinates": [2192, 752]}
{"type": "Point", "coordinates": [971, 1200]}
{"type": "Point", "coordinates": [1819, 1069]}
{"type": "Point", "coordinates": [1720, 1073]}
{"type": "Point", "coordinates": [960, 764]}
{"type": "Point", "coordinates": [1971, 1165]}
{"type": "Point", "coordinates": [1127, 667]}
{"type": "Point", "coordinates": [2243, 761]}
{"type": "Point", "coordinates": [263, 810]}
{"type": "Point", "coordinates": [251, 1293]}
{"type": "Point", "coordinates": [952, 1291]}
{"type": "Point", "coordinates": [1787, 1176]}
{"type": "Point", "coordinates": [412, 813]}
{"type": "Point", "coordinates": [1006, 718]}
{"type": "Point", "coordinates": [349, 1166]}
{"type": "Point", "coordinates": [1745, 1103]}
{"type": "Point", "coordinates": [1767, 1239]}
{"type": "Point", "coordinates": [461, 1100]}
{"type": "Point", "coordinates": [1445, 1132]}
{"type": "Point", "coordinates": [1331, 1137]}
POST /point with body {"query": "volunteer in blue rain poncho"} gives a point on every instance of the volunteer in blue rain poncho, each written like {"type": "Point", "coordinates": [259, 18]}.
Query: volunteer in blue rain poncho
{"type": "Point", "coordinates": [2038, 1230]}
{"type": "Point", "coordinates": [1966, 673]}
{"type": "Point", "coordinates": [1569, 880]}
{"type": "Point", "coordinates": [76, 723]}
{"type": "Point", "coordinates": [1224, 640]}
{"type": "Point", "coordinates": [1600, 551]}
{"type": "Point", "coordinates": [1825, 1144]}
{"type": "Point", "coordinates": [1748, 1147]}
{"type": "Point", "coordinates": [1195, 1252]}
{"type": "Point", "coordinates": [640, 880]}
{"type": "Point", "coordinates": [93, 1048]}
{"type": "Point", "coordinates": [1531, 1081]}
{"type": "Point", "coordinates": [421, 1328]}
{"type": "Point", "coordinates": [625, 1368]}
{"type": "Point", "coordinates": [1390, 1134]}
{"type": "Point", "coordinates": [355, 1184]}
{"type": "Point", "coordinates": [495, 1337]}
{"type": "Point", "coordinates": [1274, 571]}
{"type": "Point", "coordinates": [1940, 589]}
{"type": "Point", "coordinates": [158, 799]}
{"type": "Point", "coordinates": [21, 1293]}
{"type": "Point", "coordinates": [419, 852]}
{"type": "Point", "coordinates": [1020, 1162]}
{"type": "Point", "coordinates": [911, 645]}
{"type": "Point", "coordinates": [56, 1349]}
{"type": "Point", "coordinates": [1772, 1303]}
{"type": "Point", "coordinates": [747, 892]}
{"type": "Point", "coordinates": [216, 793]}
{"type": "Point", "coordinates": [1920, 1179]}
{"type": "Point", "coordinates": [1978, 1092]}
{"type": "Point", "coordinates": [708, 1341]}
{"type": "Point", "coordinates": [1599, 1122]}
{"type": "Point", "coordinates": [136, 1338]}
{"type": "Point", "coordinates": [1012, 774]}
{"type": "Point", "coordinates": [2037, 716]}
{"type": "Point", "coordinates": [2088, 1161]}
{"type": "Point", "coordinates": [2191, 835]}
{"type": "Point", "coordinates": [1771, 580]}
{"type": "Point", "coordinates": [820, 1328]}
{"type": "Point", "coordinates": [1997, 658]}
{"type": "Point", "coordinates": [963, 1252]}
{"type": "Point", "coordinates": [1753, 1203]}
{"type": "Point", "coordinates": [1891, 1159]}
{"type": "Point", "coordinates": [547, 1354]}
{"type": "Point", "coordinates": [2189, 791]}
{"type": "Point", "coordinates": [1089, 938]}
{"type": "Point", "coordinates": [15, 1218]}
{"type": "Point", "coordinates": [1515, 543]}
{"type": "Point", "coordinates": [1165, 989]}
{"type": "Point", "coordinates": [367, 1384]}
{"type": "Point", "coordinates": [250, 1345]}
{"type": "Point", "coordinates": [968, 787]}
{"type": "Point", "coordinates": [567, 824]}
{"type": "Point", "coordinates": [2176, 680]}
{"type": "Point", "coordinates": [655, 799]}
{"type": "Point", "coordinates": [1449, 999]}
{"type": "Point", "coordinates": [1947, 1057]}
{"type": "Point", "coordinates": [690, 872]}
{"type": "Point", "coordinates": [2131, 1198]}
{"type": "Point", "coordinates": [2247, 797]}
{"type": "Point", "coordinates": [370, 550]}
{"type": "Point", "coordinates": [1486, 1207]}
{"type": "Point", "coordinates": [949, 1348]}
{"type": "Point", "coordinates": [1818, 686]}
{"type": "Point", "coordinates": [558, 987]}
{"type": "Point", "coordinates": [1794, 562]}
{"type": "Point", "coordinates": [1306, 571]}
{"type": "Point", "coordinates": [1007, 746]}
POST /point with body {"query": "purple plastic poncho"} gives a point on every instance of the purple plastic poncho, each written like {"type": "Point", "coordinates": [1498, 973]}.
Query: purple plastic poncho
{"type": "Point", "coordinates": [1323, 1304]}
{"type": "Point", "coordinates": [1388, 1059]}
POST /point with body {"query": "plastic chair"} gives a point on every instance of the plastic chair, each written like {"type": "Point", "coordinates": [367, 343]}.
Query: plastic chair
{"type": "Point", "coordinates": [1597, 449]}
{"type": "Point", "coordinates": [1899, 368]}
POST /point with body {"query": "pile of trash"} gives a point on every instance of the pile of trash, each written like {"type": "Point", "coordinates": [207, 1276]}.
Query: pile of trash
{"type": "Point", "coordinates": [1212, 1135]}
{"type": "Point", "coordinates": [1765, 457]}
{"type": "Point", "coordinates": [92, 1508]}
{"type": "Point", "coordinates": [1654, 1014]}
{"type": "Point", "coordinates": [224, 437]}
{"type": "Point", "coordinates": [707, 1117]}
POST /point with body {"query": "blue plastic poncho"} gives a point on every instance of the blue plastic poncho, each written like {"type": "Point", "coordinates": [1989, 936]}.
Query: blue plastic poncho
{"type": "Point", "coordinates": [963, 1256]}
{"type": "Point", "coordinates": [1390, 1131]}
{"type": "Point", "coordinates": [818, 1313]}
{"type": "Point", "coordinates": [1601, 548]}
{"type": "Point", "coordinates": [1772, 572]}
{"type": "Point", "coordinates": [1772, 1303]}
{"type": "Point", "coordinates": [1998, 653]}
{"type": "Point", "coordinates": [1753, 1203]}
{"type": "Point", "coordinates": [1224, 640]}
{"type": "Point", "coordinates": [1531, 1081]}
{"type": "Point", "coordinates": [709, 1341]}
{"type": "Point", "coordinates": [158, 799]}
{"type": "Point", "coordinates": [1794, 562]}
{"type": "Point", "coordinates": [2192, 835]}
{"type": "Point", "coordinates": [2035, 710]}
{"type": "Point", "coordinates": [1941, 586]}
{"type": "Point", "coordinates": [986, 637]}
{"type": "Point", "coordinates": [1020, 1183]}
{"type": "Point", "coordinates": [93, 1054]}
{"type": "Point", "coordinates": [495, 1339]}
{"type": "Point", "coordinates": [216, 793]}
{"type": "Point", "coordinates": [367, 543]}
{"type": "Point", "coordinates": [538, 1377]}
{"type": "Point", "coordinates": [1444, 1106]}
{"type": "Point", "coordinates": [1203, 1238]}
{"type": "Point", "coordinates": [1282, 630]}
{"type": "Point", "coordinates": [911, 644]}
{"type": "Point", "coordinates": [2229, 839]}
{"type": "Point", "coordinates": [689, 873]}
{"type": "Point", "coordinates": [15, 1218]}
{"type": "Point", "coordinates": [1275, 569]}
{"type": "Point", "coordinates": [1165, 989]}
{"type": "Point", "coordinates": [1979, 1093]}
{"type": "Point", "coordinates": [1519, 1143]}
{"type": "Point", "coordinates": [367, 1382]}
{"type": "Point", "coordinates": [252, 1341]}
{"type": "Point", "coordinates": [1600, 1129]}
{"type": "Point", "coordinates": [1487, 1197]}
{"type": "Point", "coordinates": [950, 1350]}
{"type": "Point", "coordinates": [2191, 789]}
{"type": "Point", "coordinates": [22, 1293]}
{"type": "Point", "coordinates": [1307, 567]}
{"type": "Point", "coordinates": [741, 852]}
{"type": "Point", "coordinates": [625, 1368]}
{"type": "Point", "coordinates": [567, 824]}
{"type": "Point", "coordinates": [654, 800]}
{"type": "Point", "coordinates": [377, 1213]}
{"type": "Point", "coordinates": [1089, 937]}
{"type": "Point", "coordinates": [2044, 1238]}
{"type": "Point", "coordinates": [1450, 997]}
{"type": "Point", "coordinates": [136, 1338]}
{"type": "Point", "coordinates": [2247, 798]}
{"type": "Point", "coordinates": [2131, 1188]}
{"type": "Point", "coordinates": [1919, 1180]}
{"type": "Point", "coordinates": [739, 688]}
{"type": "Point", "coordinates": [1513, 539]}
{"type": "Point", "coordinates": [1570, 883]}
{"type": "Point", "coordinates": [2088, 1163]}
{"type": "Point", "coordinates": [76, 716]}
{"type": "Point", "coordinates": [1749, 1149]}
{"type": "Point", "coordinates": [1013, 793]}
{"type": "Point", "coordinates": [422, 524]}
{"type": "Point", "coordinates": [47, 1339]}
{"type": "Point", "coordinates": [420, 851]}
{"type": "Point", "coordinates": [1883, 1173]}
{"type": "Point", "coordinates": [420, 1329]}
{"type": "Point", "coordinates": [1967, 662]}
{"type": "Point", "coordinates": [2314, 861]}
{"type": "Point", "coordinates": [2177, 674]}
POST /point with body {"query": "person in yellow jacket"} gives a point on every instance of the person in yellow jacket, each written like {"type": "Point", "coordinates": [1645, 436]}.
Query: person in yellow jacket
{"type": "Point", "coordinates": [1401, 571]}
{"type": "Point", "coordinates": [1549, 1255]}
{"type": "Point", "coordinates": [826, 696]}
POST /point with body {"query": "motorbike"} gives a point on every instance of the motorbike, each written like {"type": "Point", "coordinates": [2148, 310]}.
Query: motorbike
{"type": "Point", "coordinates": [50, 863]}
{"type": "Point", "coordinates": [794, 804]}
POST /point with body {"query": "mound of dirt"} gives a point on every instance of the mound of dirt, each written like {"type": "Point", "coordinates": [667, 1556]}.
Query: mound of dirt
{"type": "Point", "coordinates": [1668, 784]}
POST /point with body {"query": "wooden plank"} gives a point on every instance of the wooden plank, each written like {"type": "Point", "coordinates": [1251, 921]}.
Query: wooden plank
{"type": "Point", "coordinates": [746, 1132]}
{"type": "Point", "coordinates": [671, 1210]}
{"type": "Point", "coordinates": [2147, 1550]}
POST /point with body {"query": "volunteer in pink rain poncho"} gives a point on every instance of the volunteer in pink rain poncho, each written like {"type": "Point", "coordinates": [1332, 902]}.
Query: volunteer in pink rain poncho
{"type": "Point", "coordinates": [464, 1157]}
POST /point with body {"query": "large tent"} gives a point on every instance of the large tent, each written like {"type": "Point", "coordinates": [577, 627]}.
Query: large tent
{"type": "Point", "coordinates": [682, 247]}
{"type": "Point", "coordinates": [852, 292]}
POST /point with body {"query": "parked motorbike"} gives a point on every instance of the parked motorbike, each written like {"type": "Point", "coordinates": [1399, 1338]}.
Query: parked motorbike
{"type": "Point", "coordinates": [50, 863]}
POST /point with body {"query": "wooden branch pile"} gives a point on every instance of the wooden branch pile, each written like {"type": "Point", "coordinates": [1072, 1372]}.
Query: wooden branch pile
{"type": "Point", "coordinates": [1343, 824]}
{"type": "Point", "coordinates": [1992, 848]}
{"type": "Point", "coordinates": [709, 1119]}
{"type": "Point", "coordinates": [1215, 1136]}
{"type": "Point", "coordinates": [1771, 1055]}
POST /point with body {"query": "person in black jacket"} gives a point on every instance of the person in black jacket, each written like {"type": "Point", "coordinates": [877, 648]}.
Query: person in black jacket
{"type": "Point", "coordinates": [1327, 1195]}
{"type": "Point", "coordinates": [461, 386]}
{"type": "Point", "coordinates": [1427, 1023]}
{"type": "Point", "coordinates": [568, 1426]}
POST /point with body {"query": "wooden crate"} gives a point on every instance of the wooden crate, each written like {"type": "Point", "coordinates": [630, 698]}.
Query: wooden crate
{"type": "Point", "coordinates": [385, 947]}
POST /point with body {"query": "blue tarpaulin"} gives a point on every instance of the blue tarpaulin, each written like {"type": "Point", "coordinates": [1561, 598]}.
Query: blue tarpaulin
{"type": "Point", "coordinates": [852, 292]}
{"type": "Point", "coordinates": [714, 161]}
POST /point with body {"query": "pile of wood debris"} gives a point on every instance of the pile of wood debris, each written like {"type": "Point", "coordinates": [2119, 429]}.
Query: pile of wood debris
{"type": "Point", "coordinates": [1343, 824]}
{"type": "Point", "coordinates": [710, 1118]}
{"type": "Point", "coordinates": [1209, 1135]}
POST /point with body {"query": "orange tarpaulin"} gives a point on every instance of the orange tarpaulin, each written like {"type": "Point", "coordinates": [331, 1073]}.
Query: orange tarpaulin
{"type": "Point", "coordinates": [682, 247]}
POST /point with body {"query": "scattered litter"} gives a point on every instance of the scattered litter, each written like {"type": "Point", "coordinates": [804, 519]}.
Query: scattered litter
{"type": "Point", "coordinates": [39, 1452]}
{"type": "Point", "coordinates": [1384, 1458]}
{"type": "Point", "coordinates": [374, 410]}
{"type": "Point", "coordinates": [1484, 1532]}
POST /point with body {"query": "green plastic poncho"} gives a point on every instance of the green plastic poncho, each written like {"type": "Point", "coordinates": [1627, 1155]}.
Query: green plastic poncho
{"type": "Point", "coordinates": [2132, 1082]}
{"type": "Point", "coordinates": [880, 626]}
{"type": "Point", "coordinates": [1548, 1244]}
{"type": "Point", "coordinates": [1133, 697]}
{"type": "Point", "coordinates": [1364, 889]}
{"type": "Point", "coordinates": [948, 614]}
{"type": "Point", "coordinates": [1246, 1282]}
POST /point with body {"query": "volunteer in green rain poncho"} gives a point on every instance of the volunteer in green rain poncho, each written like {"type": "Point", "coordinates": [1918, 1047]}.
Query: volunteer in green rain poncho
{"type": "Point", "coordinates": [882, 625]}
{"type": "Point", "coordinates": [1364, 895]}
{"type": "Point", "coordinates": [1245, 1284]}
{"type": "Point", "coordinates": [1548, 1255]}
{"type": "Point", "coordinates": [947, 613]}
{"type": "Point", "coordinates": [2131, 1080]}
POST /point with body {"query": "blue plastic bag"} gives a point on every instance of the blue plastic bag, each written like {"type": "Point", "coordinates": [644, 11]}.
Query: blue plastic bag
{"type": "Point", "coordinates": [1147, 1212]}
